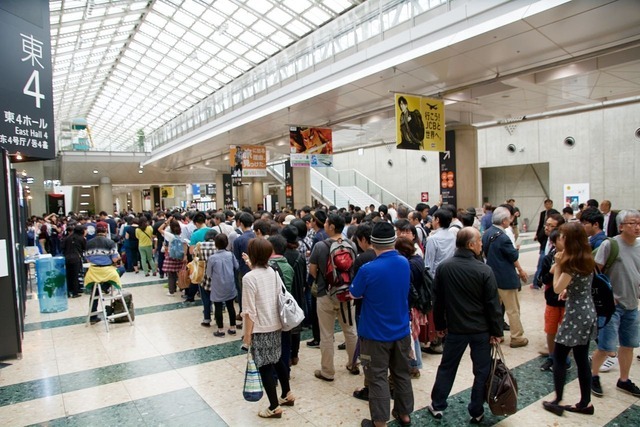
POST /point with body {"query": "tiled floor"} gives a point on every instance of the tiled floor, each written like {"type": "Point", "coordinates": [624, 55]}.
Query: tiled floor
{"type": "Point", "coordinates": [168, 370]}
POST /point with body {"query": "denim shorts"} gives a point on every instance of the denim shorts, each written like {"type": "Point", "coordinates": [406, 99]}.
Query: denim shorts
{"type": "Point", "coordinates": [623, 328]}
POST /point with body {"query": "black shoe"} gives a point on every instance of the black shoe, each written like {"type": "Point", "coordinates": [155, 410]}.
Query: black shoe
{"type": "Point", "coordinates": [438, 349]}
{"type": "Point", "coordinates": [596, 388]}
{"type": "Point", "coordinates": [547, 365]}
{"type": "Point", "coordinates": [94, 321]}
{"type": "Point", "coordinates": [628, 387]}
{"type": "Point", "coordinates": [342, 346]}
{"type": "Point", "coordinates": [76, 296]}
{"type": "Point", "coordinates": [587, 410]}
{"type": "Point", "coordinates": [205, 324]}
{"type": "Point", "coordinates": [353, 370]}
{"type": "Point", "coordinates": [395, 414]}
{"type": "Point", "coordinates": [506, 327]}
{"type": "Point", "coordinates": [477, 420]}
{"type": "Point", "coordinates": [362, 394]}
{"type": "Point", "coordinates": [434, 412]}
{"type": "Point", "coordinates": [553, 407]}
{"type": "Point", "coordinates": [313, 343]}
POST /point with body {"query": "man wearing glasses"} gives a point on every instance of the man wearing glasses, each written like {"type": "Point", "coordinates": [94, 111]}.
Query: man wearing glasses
{"type": "Point", "coordinates": [623, 328]}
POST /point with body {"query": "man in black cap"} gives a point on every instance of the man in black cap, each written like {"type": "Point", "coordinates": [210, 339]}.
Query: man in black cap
{"type": "Point", "coordinates": [385, 340]}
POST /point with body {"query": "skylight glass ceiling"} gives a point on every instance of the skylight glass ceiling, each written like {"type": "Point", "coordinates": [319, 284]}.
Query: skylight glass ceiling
{"type": "Point", "coordinates": [127, 65]}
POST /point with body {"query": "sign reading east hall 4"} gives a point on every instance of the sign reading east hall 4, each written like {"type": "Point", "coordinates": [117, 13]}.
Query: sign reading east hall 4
{"type": "Point", "coordinates": [26, 96]}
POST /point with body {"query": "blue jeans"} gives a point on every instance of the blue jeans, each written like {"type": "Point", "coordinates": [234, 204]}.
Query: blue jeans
{"type": "Point", "coordinates": [206, 304]}
{"type": "Point", "coordinates": [454, 348]}
{"type": "Point", "coordinates": [418, 362]}
{"type": "Point", "coordinates": [538, 269]}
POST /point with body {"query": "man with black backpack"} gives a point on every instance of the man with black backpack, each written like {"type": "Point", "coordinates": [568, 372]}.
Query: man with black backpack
{"type": "Point", "coordinates": [330, 267]}
{"type": "Point", "coordinates": [623, 328]}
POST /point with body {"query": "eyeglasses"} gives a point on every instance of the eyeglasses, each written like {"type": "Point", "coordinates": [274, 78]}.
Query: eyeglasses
{"type": "Point", "coordinates": [633, 224]}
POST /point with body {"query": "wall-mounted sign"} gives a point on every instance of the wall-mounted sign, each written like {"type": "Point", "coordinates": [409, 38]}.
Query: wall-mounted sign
{"type": "Point", "coordinates": [419, 123]}
{"type": "Point", "coordinates": [26, 96]}
{"type": "Point", "coordinates": [167, 192]}
{"type": "Point", "coordinates": [248, 160]}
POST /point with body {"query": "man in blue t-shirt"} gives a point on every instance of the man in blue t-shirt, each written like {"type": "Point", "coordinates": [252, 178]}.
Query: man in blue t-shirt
{"type": "Point", "coordinates": [385, 341]}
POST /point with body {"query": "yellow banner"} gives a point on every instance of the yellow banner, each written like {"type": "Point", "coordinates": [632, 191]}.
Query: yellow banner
{"type": "Point", "coordinates": [167, 192]}
{"type": "Point", "coordinates": [419, 123]}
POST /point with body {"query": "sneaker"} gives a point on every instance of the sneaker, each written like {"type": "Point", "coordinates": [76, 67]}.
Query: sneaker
{"type": "Point", "coordinates": [547, 365]}
{"type": "Point", "coordinates": [436, 414]}
{"type": "Point", "coordinates": [313, 343]}
{"type": "Point", "coordinates": [477, 420]}
{"type": "Point", "coordinates": [342, 346]}
{"type": "Point", "coordinates": [169, 294]}
{"type": "Point", "coordinates": [628, 387]}
{"type": "Point", "coordinates": [609, 364]}
{"type": "Point", "coordinates": [596, 388]}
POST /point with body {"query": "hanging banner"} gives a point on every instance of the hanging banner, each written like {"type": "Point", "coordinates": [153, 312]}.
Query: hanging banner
{"type": "Point", "coordinates": [311, 146]}
{"type": "Point", "coordinates": [167, 192]}
{"type": "Point", "coordinates": [248, 160]}
{"type": "Point", "coordinates": [55, 203]}
{"type": "Point", "coordinates": [419, 123]}
{"type": "Point", "coordinates": [288, 184]}
{"type": "Point", "coordinates": [195, 191]}
{"type": "Point", "coordinates": [448, 171]}
{"type": "Point", "coordinates": [26, 95]}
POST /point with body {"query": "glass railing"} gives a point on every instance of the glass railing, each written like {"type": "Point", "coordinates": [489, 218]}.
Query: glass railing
{"type": "Point", "coordinates": [351, 177]}
{"type": "Point", "coordinates": [323, 47]}
{"type": "Point", "coordinates": [329, 192]}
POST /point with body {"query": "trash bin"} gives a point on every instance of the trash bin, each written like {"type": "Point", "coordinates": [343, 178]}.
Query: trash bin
{"type": "Point", "coordinates": [52, 284]}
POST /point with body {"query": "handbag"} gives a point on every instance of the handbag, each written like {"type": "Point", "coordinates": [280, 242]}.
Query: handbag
{"type": "Point", "coordinates": [252, 391]}
{"type": "Point", "coordinates": [502, 388]}
{"type": "Point", "coordinates": [291, 315]}
{"type": "Point", "coordinates": [197, 267]}
{"type": "Point", "coordinates": [183, 278]}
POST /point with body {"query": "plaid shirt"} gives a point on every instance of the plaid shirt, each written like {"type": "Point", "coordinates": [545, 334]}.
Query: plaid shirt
{"type": "Point", "coordinates": [206, 250]}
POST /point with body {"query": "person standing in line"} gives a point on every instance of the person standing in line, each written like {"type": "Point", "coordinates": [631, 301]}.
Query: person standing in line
{"type": "Point", "coordinates": [624, 326]}
{"type": "Point", "coordinates": [73, 247]}
{"type": "Point", "coordinates": [131, 245]}
{"type": "Point", "coordinates": [516, 215]}
{"type": "Point", "coordinates": [572, 275]}
{"type": "Point", "coordinates": [501, 256]}
{"type": "Point", "coordinates": [144, 234]}
{"type": "Point", "coordinates": [262, 326]}
{"type": "Point", "coordinates": [385, 338]}
{"type": "Point", "coordinates": [221, 270]}
{"type": "Point", "coordinates": [172, 265]}
{"type": "Point", "coordinates": [467, 311]}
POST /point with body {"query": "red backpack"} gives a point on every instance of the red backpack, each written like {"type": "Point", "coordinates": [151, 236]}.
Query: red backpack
{"type": "Point", "coordinates": [339, 271]}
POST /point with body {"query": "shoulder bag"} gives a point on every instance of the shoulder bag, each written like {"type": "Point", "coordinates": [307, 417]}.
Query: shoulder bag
{"type": "Point", "coordinates": [291, 315]}
{"type": "Point", "coordinates": [502, 388]}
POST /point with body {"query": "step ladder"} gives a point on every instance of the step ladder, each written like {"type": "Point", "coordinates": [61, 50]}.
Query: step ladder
{"type": "Point", "coordinates": [102, 297]}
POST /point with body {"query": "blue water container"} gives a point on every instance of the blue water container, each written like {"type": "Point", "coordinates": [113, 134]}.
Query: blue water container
{"type": "Point", "coordinates": [52, 284]}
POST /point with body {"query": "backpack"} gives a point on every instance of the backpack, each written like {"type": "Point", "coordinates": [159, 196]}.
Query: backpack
{"type": "Point", "coordinates": [601, 290]}
{"type": "Point", "coordinates": [285, 271]}
{"type": "Point", "coordinates": [339, 271]}
{"type": "Point", "coordinates": [176, 250]}
{"type": "Point", "coordinates": [421, 291]}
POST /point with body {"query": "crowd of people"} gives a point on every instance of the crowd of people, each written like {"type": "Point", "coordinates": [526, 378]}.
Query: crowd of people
{"type": "Point", "coordinates": [434, 279]}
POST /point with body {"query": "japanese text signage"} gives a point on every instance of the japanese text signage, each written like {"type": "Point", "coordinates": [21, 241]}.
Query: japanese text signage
{"type": "Point", "coordinates": [288, 184]}
{"type": "Point", "coordinates": [419, 123]}
{"type": "Point", "coordinates": [448, 185]}
{"type": "Point", "coordinates": [26, 98]}
{"type": "Point", "coordinates": [248, 160]}
{"type": "Point", "coordinates": [228, 189]}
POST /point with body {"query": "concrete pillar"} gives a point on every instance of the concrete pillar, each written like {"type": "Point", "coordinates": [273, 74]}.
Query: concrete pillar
{"type": "Point", "coordinates": [219, 191]}
{"type": "Point", "coordinates": [468, 181]}
{"type": "Point", "coordinates": [301, 188]}
{"type": "Point", "coordinates": [105, 195]}
{"type": "Point", "coordinates": [257, 194]}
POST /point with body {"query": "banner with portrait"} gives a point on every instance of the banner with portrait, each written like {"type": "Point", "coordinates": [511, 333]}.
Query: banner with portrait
{"type": "Point", "coordinates": [311, 146]}
{"type": "Point", "coordinates": [248, 160]}
{"type": "Point", "coordinates": [419, 123]}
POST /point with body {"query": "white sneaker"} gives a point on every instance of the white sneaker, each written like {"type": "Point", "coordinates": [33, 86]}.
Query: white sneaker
{"type": "Point", "coordinates": [169, 294]}
{"type": "Point", "coordinates": [609, 364]}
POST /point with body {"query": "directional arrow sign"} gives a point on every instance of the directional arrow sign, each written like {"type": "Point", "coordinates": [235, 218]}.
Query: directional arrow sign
{"type": "Point", "coordinates": [447, 155]}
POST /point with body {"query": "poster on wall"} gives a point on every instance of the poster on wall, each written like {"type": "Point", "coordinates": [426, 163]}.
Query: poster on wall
{"type": "Point", "coordinates": [248, 160]}
{"type": "Point", "coordinates": [419, 123]}
{"type": "Point", "coordinates": [167, 192]}
{"type": "Point", "coordinates": [448, 171]}
{"type": "Point", "coordinates": [574, 194]}
{"type": "Point", "coordinates": [26, 94]}
{"type": "Point", "coordinates": [311, 146]}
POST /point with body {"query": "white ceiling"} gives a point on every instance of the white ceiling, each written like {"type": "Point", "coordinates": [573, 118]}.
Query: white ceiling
{"type": "Point", "coordinates": [580, 54]}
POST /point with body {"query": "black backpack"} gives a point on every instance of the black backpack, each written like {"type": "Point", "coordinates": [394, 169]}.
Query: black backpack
{"type": "Point", "coordinates": [421, 292]}
{"type": "Point", "coordinates": [601, 290]}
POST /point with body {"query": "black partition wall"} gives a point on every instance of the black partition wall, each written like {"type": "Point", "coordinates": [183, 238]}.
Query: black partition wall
{"type": "Point", "coordinates": [12, 272]}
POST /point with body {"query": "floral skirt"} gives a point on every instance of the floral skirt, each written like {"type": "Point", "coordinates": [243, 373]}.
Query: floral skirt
{"type": "Point", "coordinates": [265, 348]}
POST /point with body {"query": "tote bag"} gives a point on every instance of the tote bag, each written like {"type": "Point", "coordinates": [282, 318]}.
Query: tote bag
{"type": "Point", "coordinates": [502, 388]}
{"type": "Point", "coordinates": [252, 391]}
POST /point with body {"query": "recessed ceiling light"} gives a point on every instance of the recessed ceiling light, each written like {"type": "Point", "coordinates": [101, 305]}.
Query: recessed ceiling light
{"type": "Point", "coordinates": [95, 171]}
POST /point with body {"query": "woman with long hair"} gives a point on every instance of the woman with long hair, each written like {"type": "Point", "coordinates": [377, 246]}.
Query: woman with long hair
{"type": "Point", "coordinates": [572, 275]}
{"type": "Point", "coordinates": [172, 265]}
{"type": "Point", "coordinates": [262, 326]}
